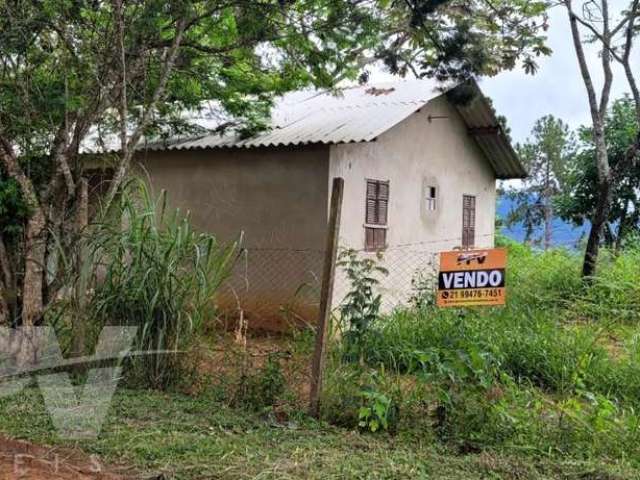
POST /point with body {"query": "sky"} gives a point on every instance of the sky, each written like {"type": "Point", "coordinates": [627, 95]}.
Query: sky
{"type": "Point", "coordinates": [557, 88]}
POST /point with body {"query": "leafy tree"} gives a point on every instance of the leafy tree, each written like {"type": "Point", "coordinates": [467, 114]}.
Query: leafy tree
{"type": "Point", "coordinates": [461, 38]}
{"type": "Point", "coordinates": [579, 200]}
{"type": "Point", "coordinates": [615, 33]}
{"type": "Point", "coordinates": [82, 72]}
{"type": "Point", "coordinates": [547, 158]}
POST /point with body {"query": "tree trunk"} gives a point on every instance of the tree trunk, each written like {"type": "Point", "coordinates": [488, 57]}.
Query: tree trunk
{"type": "Point", "coordinates": [548, 209]}
{"type": "Point", "coordinates": [79, 316]}
{"type": "Point", "coordinates": [597, 117]}
{"type": "Point", "coordinates": [33, 283]}
{"type": "Point", "coordinates": [7, 287]}
{"type": "Point", "coordinates": [5, 313]}
{"type": "Point", "coordinates": [603, 206]}
{"type": "Point", "coordinates": [622, 226]}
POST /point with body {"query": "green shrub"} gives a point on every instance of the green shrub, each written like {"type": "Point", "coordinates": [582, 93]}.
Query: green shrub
{"type": "Point", "coordinates": [261, 389]}
{"type": "Point", "coordinates": [157, 273]}
{"type": "Point", "coordinates": [360, 308]}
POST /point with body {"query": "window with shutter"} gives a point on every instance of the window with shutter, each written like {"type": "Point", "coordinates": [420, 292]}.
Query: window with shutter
{"type": "Point", "coordinates": [468, 221]}
{"type": "Point", "coordinates": [377, 206]}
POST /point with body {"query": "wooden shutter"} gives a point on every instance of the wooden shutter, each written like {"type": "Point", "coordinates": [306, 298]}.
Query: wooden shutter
{"type": "Point", "coordinates": [468, 221]}
{"type": "Point", "coordinates": [377, 202]}
{"type": "Point", "coordinates": [376, 215]}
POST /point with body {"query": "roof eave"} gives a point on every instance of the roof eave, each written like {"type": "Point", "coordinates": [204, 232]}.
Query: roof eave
{"type": "Point", "coordinates": [488, 133]}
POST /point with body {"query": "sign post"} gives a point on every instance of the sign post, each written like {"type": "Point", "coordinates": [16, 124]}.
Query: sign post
{"type": "Point", "coordinates": [472, 278]}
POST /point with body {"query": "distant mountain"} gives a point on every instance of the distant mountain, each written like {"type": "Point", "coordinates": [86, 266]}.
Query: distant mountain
{"type": "Point", "coordinates": [564, 233]}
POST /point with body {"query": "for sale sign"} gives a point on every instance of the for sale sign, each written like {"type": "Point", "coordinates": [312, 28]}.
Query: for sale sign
{"type": "Point", "coordinates": [472, 277]}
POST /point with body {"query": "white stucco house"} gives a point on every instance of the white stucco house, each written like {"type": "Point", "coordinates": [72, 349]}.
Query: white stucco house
{"type": "Point", "coordinates": [420, 171]}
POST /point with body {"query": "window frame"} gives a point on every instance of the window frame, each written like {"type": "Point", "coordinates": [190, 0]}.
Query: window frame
{"type": "Point", "coordinates": [431, 198]}
{"type": "Point", "coordinates": [469, 217]}
{"type": "Point", "coordinates": [378, 227]}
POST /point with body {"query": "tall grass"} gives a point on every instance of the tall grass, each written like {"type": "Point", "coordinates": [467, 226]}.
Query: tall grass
{"type": "Point", "coordinates": [555, 370]}
{"type": "Point", "coordinates": [157, 273]}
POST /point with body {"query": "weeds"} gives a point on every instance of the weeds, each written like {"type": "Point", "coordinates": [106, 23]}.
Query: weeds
{"type": "Point", "coordinates": [361, 306]}
{"type": "Point", "coordinates": [378, 410]}
{"type": "Point", "coordinates": [538, 374]}
{"type": "Point", "coordinates": [261, 389]}
{"type": "Point", "coordinates": [158, 274]}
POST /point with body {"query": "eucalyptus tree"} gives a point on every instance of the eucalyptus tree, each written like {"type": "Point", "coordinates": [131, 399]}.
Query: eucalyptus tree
{"type": "Point", "coordinates": [72, 70]}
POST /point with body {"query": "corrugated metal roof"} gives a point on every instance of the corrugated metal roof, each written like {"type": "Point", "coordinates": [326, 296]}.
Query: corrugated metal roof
{"type": "Point", "coordinates": [490, 137]}
{"type": "Point", "coordinates": [355, 114]}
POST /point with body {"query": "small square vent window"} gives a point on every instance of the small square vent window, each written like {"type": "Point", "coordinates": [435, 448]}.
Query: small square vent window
{"type": "Point", "coordinates": [431, 198]}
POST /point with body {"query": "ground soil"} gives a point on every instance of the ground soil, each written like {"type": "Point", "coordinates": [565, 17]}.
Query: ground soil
{"type": "Point", "coordinates": [230, 358]}
{"type": "Point", "coordinates": [25, 461]}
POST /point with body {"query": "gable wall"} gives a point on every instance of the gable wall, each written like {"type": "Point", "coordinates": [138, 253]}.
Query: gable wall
{"type": "Point", "coordinates": [413, 155]}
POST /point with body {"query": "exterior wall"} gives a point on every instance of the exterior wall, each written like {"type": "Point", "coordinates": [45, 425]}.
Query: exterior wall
{"type": "Point", "coordinates": [277, 198]}
{"type": "Point", "coordinates": [414, 155]}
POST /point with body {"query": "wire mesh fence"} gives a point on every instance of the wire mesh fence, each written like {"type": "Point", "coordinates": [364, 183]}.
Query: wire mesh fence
{"type": "Point", "coordinates": [276, 288]}
{"type": "Point", "coordinates": [273, 289]}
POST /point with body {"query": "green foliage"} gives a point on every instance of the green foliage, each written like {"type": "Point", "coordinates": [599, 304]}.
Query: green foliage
{"type": "Point", "coordinates": [577, 204]}
{"type": "Point", "coordinates": [547, 157]}
{"type": "Point", "coordinates": [360, 308]}
{"type": "Point", "coordinates": [60, 56]}
{"type": "Point", "coordinates": [375, 412]}
{"type": "Point", "coordinates": [13, 209]}
{"type": "Point", "coordinates": [538, 374]}
{"type": "Point", "coordinates": [261, 389]}
{"type": "Point", "coordinates": [157, 273]}
{"type": "Point", "coordinates": [463, 39]}
{"type": "Point", "coordinates": [238, 53]}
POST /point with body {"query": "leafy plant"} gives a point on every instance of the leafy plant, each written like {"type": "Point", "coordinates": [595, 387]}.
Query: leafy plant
{"type": "Point", "coordinates": [423, 286]}
{"type": "Point", "coordinates": [376, 411]}
{"type": "Point", "coordinates": [157, 273]}
{"type": "Point", "coordinates": [361, 306]}
{"type": "Point", "coordinates": [263, 388]}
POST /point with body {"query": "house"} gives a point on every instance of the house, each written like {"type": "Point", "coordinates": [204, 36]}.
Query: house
{"type": "Point", "coordinates": [420, 169]}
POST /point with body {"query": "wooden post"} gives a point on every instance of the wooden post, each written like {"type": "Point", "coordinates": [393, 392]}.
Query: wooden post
{"type": "Point", "coordinates": [326, 294]}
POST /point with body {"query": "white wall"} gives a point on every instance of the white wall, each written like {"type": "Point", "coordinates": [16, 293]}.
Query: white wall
{"type": "Point", "coordinates": [414, 155]}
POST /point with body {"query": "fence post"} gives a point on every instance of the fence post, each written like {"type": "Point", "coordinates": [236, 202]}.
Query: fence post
{"type": "Point", "coordinates": [326, 294]}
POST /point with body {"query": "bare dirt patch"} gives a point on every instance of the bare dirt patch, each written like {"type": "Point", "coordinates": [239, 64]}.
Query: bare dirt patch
{"type": "Point", "coordinates": [21, 460]}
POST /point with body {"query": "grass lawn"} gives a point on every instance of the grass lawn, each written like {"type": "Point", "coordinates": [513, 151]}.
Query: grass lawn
{"type": "Point", "coordinates": [186, 437]}
{"type": "Point", "coordinates": [547, 387]}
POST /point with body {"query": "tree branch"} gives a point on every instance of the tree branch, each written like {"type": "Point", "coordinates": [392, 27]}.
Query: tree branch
{"type": "Point", "coordinates": [147, 115]}
{"type": "Point", "coordinates": [10, 162]}
{"type": "Point", "coordinates": [606, 59]}
{"type": "Point", "coordinates": [582, 62]}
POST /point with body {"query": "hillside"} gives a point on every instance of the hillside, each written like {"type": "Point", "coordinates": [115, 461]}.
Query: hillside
{"type": "Point", "coordinates": [565, 234]}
